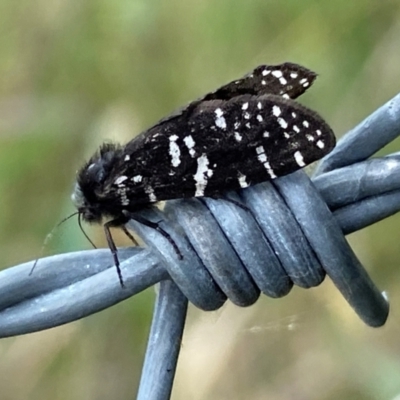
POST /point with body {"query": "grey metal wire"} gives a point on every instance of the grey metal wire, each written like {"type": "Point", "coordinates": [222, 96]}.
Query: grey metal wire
{"type": "Point", "coordinates": [291, 234]}
{"type": "Point", "coordinates": [164, 343]}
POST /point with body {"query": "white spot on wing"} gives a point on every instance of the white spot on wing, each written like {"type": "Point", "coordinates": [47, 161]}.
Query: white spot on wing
{"type": "Point", "coordinates": [282, 123]}
{"type": "Point", "coordinates": [188, 140]}
{"type": "Point", "coordinates": [220, 120]}
{"type": "Point", "coordinates": [265, 72]}
{"type": "Point", "coordinates": [294, 75]}
{"type": "Point", "coordinates": [259, 105]}
{"type": "Point", "coordinates": [190, 143]}
{"type": "Point", "coordinates": [174, 151]}
{"type": "Point", "coordinates": [276, 111]}
{"type": "Point", "coordinates": [282, 81]}
{"type": "Point", "coordinates": [320, 144]}
{"type": "Point", "coordinates": [260, 149]}
{"type": "Point", "coordinates": [137, 178]}
{"type": "Point", "coordinates": [238, 136]}
{"type": "Point", "coordinates": [299, 159]}
{"type": "Point", "coordinates": [296, 128]}
{"type": "Point", "coordinates": [306, 123]}
{"type": "Point", "coordinates": [262, 157]}
{"type": "Point", "coordinates": [127, 157]}
{"type": "Point", "coordinates": [260, 118]}
{"type": "Point", "coordinates": [270, 171]}
{"type": "Point", "coordinates": [310, 138]}
{"type": "Point", "coordinates": [245, 106]}
{"type": "Point", "coordinates": [261, 154]}
{"type": "Point", "coordinates": [242, 181]}
{"type": "Point", "coordinates": [277, 73]}
{"type": "Point", "coordinates": [201, 175]}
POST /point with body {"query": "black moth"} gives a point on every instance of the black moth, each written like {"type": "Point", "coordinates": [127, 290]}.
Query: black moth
{"type": "Point", "coordinates": [246, 132]}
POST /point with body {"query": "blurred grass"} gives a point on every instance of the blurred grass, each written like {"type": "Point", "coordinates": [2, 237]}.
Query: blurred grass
{"type": "Point", "coordinates": [75, 73]}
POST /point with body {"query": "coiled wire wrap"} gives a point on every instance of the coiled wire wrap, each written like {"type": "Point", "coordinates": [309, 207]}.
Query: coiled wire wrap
{"type": "Point", "coordinates": [291, 231]}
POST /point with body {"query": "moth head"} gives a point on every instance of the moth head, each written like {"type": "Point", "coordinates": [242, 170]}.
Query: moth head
{"type": "Point", "coordinates": [90, 189]}
{"type": "Point", "coordinates": [89, 211]}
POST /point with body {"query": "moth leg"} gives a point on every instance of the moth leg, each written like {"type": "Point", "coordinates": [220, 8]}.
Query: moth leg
{"type": "Point", "coordinates": [127, 233]}
{"type": "Point", "coordinates": [158, 228]}
{"type": "Point", "coordinates": [113, 247]}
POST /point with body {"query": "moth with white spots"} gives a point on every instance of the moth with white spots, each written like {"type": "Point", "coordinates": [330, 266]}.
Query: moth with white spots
{"type": "Point", "coordinates": [246, 132]}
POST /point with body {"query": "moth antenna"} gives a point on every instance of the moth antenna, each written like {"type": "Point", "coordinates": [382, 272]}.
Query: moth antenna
{"type": "Point", "coordinates": [50, 235]}
{"type": "Point", "coordinates": [83, 231]}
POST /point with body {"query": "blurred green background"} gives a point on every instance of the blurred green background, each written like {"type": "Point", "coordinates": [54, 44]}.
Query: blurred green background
{"type": "Point", "coordinates": [76, 73]}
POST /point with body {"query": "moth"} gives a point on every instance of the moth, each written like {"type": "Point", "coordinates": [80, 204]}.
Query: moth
{"type": "Point", "coordinates": [248, 131]}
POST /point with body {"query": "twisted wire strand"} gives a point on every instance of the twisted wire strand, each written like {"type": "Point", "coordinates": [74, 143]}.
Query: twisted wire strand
{"type": "Point", "coordinates": [291, 233]}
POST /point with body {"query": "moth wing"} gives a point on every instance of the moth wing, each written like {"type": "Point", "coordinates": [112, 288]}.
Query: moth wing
{"type": "Point", "coordinates": [227, 145]}
{"type": "Point", "coordinates": [260, 138]}
{"type": "Point", "coordinates": [288, 80]}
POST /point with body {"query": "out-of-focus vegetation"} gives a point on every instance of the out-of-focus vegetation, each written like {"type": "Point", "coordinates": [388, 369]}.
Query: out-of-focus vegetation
{"type": "Point", "coordinates": [74, 73]}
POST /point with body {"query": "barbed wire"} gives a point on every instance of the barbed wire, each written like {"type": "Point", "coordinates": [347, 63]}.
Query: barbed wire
{"type": "Point", "coordinates": [289, 232]}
